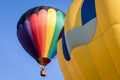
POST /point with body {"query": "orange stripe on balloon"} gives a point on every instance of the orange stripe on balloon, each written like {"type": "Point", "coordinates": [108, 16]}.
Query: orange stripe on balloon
{"type": "Point", "coordinates": [35, 31]}
{"type": "Point", "coordinates": [42, 26]}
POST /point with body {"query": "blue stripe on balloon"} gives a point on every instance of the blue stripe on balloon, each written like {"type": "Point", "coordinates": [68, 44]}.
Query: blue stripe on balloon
{"type": "Point", "coordinates": [88, 11]}
{"type": "Point", "coordinates": [64, 48]}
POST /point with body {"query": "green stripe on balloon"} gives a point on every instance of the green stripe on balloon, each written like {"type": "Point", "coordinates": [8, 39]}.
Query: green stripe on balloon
{"type": "Point", "coordinates": [58, 27]}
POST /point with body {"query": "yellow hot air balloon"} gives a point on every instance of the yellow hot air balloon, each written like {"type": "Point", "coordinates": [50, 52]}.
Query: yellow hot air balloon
{"type": "Point", "coordinates": [93, 49]}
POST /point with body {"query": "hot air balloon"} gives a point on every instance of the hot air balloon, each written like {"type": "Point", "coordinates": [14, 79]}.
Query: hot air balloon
{"type": "Point", "coordinates": [38, 31]}
{"type": "Point", "coordinates": [96, 56]}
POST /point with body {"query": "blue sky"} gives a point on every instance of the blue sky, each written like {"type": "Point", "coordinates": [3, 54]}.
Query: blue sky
{"type": "Point", "coordinates": [15, 63]}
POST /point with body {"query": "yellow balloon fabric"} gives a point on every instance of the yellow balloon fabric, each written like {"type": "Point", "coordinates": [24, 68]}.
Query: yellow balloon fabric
{"type": "Point", "coordinates": [100, 58]}
{"type": "Point", "coordinates": [73, 18]}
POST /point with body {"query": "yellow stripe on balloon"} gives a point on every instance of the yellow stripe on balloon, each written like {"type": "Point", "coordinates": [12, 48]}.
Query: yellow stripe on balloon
{"type": "Point", "coordinates": [73, 18]}
{"type": "Point", "coordinates": [51, 21]}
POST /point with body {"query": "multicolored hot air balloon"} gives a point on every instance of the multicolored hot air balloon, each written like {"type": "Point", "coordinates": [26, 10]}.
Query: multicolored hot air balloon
{"type": "Point", "coordinates": [39, 30]}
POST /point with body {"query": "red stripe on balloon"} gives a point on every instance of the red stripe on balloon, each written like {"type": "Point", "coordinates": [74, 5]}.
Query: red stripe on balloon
{"type": "Point", "coordinates": [35, 32]}
{"type": "Point", "coordinates": [42, 27]}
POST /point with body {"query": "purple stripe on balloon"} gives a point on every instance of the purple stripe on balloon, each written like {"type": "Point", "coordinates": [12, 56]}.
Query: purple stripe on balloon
{"type": "Point", "coordinates": [30, 36]}
{"type": "Point", "coordinates": [27, 24]}
{"type": "Point", "coordinates": [62, 31]}
{"type": "Point", "coordinates": [26, 41]}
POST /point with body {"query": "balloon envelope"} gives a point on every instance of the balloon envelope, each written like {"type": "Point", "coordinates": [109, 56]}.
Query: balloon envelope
{"type": "Point", "coordinates": [38, 31]}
